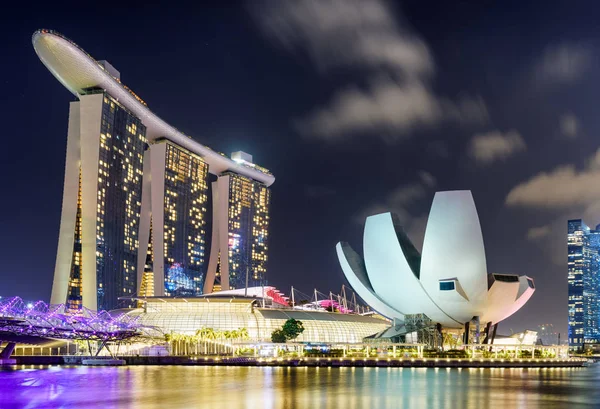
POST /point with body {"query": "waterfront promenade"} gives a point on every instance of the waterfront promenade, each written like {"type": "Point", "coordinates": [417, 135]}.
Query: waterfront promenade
{"type": "Point", "coordinates": [320, 362]}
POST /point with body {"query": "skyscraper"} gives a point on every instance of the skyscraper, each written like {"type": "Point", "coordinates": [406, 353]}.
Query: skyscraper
{"type": "Point", "coordinates": [584, 284]}
{"type": "Point", "coordinates": [176, 193]}
{"type": "Point", "coordinates": [238, 256]}
{"type": "Point", "coordinates": [101, 203]}
{"type": "Point", "coordinates": [132, 182]}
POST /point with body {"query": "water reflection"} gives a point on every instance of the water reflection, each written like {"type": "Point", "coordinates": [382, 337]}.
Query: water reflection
{"type": "Point", "coordinates": [161, 387]}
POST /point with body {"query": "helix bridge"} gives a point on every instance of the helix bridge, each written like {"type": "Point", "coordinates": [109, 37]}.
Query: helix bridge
{"type": "Point", "coordinates": [36, 323]}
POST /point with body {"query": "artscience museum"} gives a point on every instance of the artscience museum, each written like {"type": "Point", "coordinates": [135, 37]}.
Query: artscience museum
{"type": "Point", "coordinates": [447, 284]}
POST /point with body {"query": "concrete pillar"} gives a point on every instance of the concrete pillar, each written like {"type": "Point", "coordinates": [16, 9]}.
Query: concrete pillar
{"type": "Point", "coordinates": [466, 334]}
{"type": "Point", "coordinates": [487, 332]}
{"type": "Point", "coordinates": [394, 351]}
{"type": "Point", "coordinates": [477, 329]}
{"type": "Point", "coordinates": [8, 350]}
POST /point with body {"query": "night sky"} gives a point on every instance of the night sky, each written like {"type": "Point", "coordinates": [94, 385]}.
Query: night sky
{"type": "Point", "coordinates": [356, 106]}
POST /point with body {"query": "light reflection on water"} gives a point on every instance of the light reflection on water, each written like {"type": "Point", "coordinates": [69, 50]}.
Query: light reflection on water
{"type": "Point", "coordinates": [166, 387]}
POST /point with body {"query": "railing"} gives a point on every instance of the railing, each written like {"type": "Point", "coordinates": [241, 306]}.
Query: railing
{"type": "Point", "coordinates": [26, 350]}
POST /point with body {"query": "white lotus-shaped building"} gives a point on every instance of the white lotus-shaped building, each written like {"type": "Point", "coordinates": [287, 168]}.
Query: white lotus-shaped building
{"type": "Point", "coordinates": [448, 282]}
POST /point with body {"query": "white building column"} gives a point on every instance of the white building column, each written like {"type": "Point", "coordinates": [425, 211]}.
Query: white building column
{"type": "Point", "coordinates": [220, 235]}
{"type": "Point", "coordinates": [90, 124]}
{"type": "Point", "coordinates": [68, 218]}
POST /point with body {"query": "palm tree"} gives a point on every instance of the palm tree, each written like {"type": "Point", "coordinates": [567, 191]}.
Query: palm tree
{"type": "Point", "coordinates": [243, 333]}
{"type": "Point", "coordinates": [235, 334]}
{"type": "Point", "coordinates": [187, 339]}
{"type": "Point", "coordinates": [170, 338]}
{"type": "Point", "coordinates": [211, 334]}
{"type": "Point", "coordinates": [204, 333]}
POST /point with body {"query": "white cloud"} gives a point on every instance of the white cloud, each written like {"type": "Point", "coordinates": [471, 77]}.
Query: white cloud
{"type": "Point", "coordinates": [536, 233]}
{"type": "Point", "coordinates": [495, 145]}
{"type": "Point", "coordinates": [406, 195]}
{"type": "Point", "coordinates": [569, 125]}
{"type": "Point", "coordinates": [467, 110]}
{"type": "Point", "coordinates": [345, 33]}
{"type": "Point", "coordinates": [564, 63]}
{"type": "Point", "coordinates": [387, 105]}
{"type": "Point", "coordinates": [365, 35]}
{"type": "Point", "coordinates": [397, 201]}
{"type": "Point", "coordinates": [562, 188]}
{"type": "Point", "coordinates": [427, 178]}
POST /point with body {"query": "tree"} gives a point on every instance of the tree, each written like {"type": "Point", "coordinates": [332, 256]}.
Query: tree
{"type": "Point", "coordinates": [278, 336]}
{"type": "Point", "coordinates": [243, 333]}
{"type": "Point", "coordinates": [292, 328]}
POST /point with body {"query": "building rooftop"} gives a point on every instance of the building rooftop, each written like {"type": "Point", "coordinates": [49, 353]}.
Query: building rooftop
{"type": "Point", "coordinates": [79, 71]}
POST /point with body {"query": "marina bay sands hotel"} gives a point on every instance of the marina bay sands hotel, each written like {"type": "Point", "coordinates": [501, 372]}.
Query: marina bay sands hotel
{"type": "Point", "coordinates": [136, 197]}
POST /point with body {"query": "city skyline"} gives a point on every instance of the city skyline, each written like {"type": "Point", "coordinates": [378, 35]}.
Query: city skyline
{"type": "Point", "coordinates": [241, 84]}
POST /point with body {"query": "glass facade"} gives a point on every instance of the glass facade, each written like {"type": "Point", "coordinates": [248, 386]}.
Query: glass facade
{"type": "Point", "coordinates": [228, 314]}
{"type": "Point", "coordinates": [591, 287]}
{"type": "Point", "coordinates": [248, 225]}
{"type": "Point", "coordinates": [584, 284]}
{"type": "Point", "coordinates": [122, 144]}
{"type": "Point", "coordinates": [74, 292]}
{"type": "Point", "coordinates": [185, 201]}
{"type": "Point", "coordinates": [147, 285]}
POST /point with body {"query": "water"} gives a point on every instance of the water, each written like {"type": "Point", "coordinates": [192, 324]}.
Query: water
{"type": "Point", "coordinates": [168, 387]}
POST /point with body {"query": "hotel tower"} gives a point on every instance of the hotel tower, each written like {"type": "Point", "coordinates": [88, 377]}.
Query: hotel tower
{"type": "Point", "coordinates": [238, 256]}
{"type": "Point", "coordinates": [136, 197]}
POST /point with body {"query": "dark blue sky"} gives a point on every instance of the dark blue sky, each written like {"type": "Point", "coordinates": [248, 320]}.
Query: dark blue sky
{"type": "Point", "coordinates": [352, 114]}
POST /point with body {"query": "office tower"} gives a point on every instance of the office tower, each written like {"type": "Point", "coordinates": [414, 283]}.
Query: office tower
{"type": "Point", "coordinates": [591, 287]}
{"type": "Point", "coordinates": [97, 251]}
{"type": "Point", "coordinates": [115, 145]}
{"type": "Point", "coordinates": [176, 193]}
{"type": "Point", "coordinates": [584, 284]}
{"type": "Point", "coordinates": [240, 231]}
